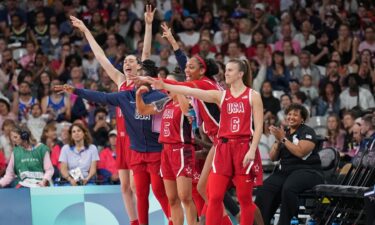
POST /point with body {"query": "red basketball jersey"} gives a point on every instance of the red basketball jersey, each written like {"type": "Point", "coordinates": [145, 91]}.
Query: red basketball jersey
{"type": "Point", "coordinates": [120, 120]}
{"type": "Point", "coordinates": [175, 127]}
{"type": "Point", "coordinates": [236, 115]}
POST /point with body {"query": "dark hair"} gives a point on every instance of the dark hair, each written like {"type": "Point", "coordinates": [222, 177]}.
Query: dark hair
{"type": "Point", "coordinates": [24, 133]}
{"type": "Point", "coordinates": [100, 110]}
{"type": "Point", "coordinates": [298, 107]}
{"type": "Point", "coordinates": [208, 64]}
{"type": "Point", "coordinates": [87, 137]}
{"type": "Point", "coordinates": [285, 95]}
{"type": "Point", "coordinates": [301, 95]}
{"type": "Point", "coordinates": [244, 66]}
{"type": "Point", "coordinates": [48, 127]}
{"type": "Point", "coordinates": [149, 67]}
{"type": "Point", "coordinates": [37, 104]}
{"type": "Point", "coordinates": [335, 91]}
{"type": "Point", "coordinates": [351, 75]}
{"type": "Point", "coordinates": [368, 120]}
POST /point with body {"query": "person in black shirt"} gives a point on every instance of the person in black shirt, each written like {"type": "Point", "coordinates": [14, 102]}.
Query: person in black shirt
{"type": "Point", "coordinates": [299, 170]}
{"type": "Point", "coordinates": [270, 103]}
{"type": "Point", "coordinates": [320, 50]}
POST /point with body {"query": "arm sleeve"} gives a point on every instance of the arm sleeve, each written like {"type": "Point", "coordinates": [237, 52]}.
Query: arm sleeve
{"type": "Point", "coordinates": [48, 168]}
{"type": "Point", "coordinates": [308, 134]}
{"type": "Point", "coordinates": [101, 97]}
{"type": "Point", "coordinates": [63, 157]}
{"type": "Point", "coordinates": [181, 59]}
{"type": "Point", "coordinates": [186, 83]}
{"type": "Point", "coordinates": [9, 174]}
{"type": "Point", "coordinates": [95, 153]}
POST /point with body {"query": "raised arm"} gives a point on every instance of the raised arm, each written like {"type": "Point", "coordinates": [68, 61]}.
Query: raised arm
{"type": "Point", "coordinates": [95, 96]}
{"type": "Point", "coordinates": [149, 17]}
{"type": "Point", "coordinates": [211, 96]}
{"type": "Point", "coordinates": [112, 72]}
{"type": "Point", "coordinates": [142, 107]}
{"type": "Point", "coordinates": [179, 54]}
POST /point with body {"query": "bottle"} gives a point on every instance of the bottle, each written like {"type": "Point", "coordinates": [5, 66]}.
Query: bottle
{"type": "Point", "coordinates": [311, 222]}
{"type": "Point", "coordinates": [294, 221]}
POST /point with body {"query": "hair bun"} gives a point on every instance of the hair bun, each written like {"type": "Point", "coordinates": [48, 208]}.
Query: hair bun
{"type": "Point", "coordinates": [25, 136]}
{"type": "Point", "coordinates": [212, 68]}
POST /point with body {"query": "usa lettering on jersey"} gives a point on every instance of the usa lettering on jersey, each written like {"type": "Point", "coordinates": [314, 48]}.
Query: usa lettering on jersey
{"type": "Point", "coordinates": [235, 107]}
{"type": "Point", "coordinates": [168, 114]}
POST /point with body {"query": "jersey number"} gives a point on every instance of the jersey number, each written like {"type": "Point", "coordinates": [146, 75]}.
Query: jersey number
{"type": "Point", "coordinates": [235, 124]}
{"type": "Point", "coordinates": [166, 130]}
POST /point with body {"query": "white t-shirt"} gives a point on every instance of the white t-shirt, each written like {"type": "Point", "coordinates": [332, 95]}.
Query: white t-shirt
{"type": "Point", "coordinates": [189, 40]}
{"type": "Point", "coordinates": [366, 99]}
{"type": "Point", "coordinates": [91, 69]}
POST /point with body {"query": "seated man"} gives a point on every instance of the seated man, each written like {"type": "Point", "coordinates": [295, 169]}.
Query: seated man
{"type": "Point", "coordinates": [107, 169]}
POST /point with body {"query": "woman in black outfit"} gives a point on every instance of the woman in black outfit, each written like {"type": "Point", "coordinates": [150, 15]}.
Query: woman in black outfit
{"type": "Point", "coordinates": [299, 170]}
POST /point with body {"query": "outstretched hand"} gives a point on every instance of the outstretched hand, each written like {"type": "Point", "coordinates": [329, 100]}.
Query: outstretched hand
{"type": "Point", "coordinates": [167, 32]}
{"type": "Point", "coordinates": [77, 23]}
{"type": "Point", "coordinates": [149, 14]}
{"type": "Point", "coordinates": [64, 88]}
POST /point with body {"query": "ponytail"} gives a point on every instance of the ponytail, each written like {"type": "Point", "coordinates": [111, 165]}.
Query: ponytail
{"type": "Point", "coordinates": [209, 65]}
{"type": "Point", "coordinates": [244, 66]}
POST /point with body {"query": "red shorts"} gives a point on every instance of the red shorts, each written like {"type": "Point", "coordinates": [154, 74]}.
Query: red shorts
{"type": "Point", "coordinates": [228, 158]}
{"type": "Point", "coordinates": [123, 153]}
{"type": "Point", "coordinates": [145, 162]}
{"type": "Point", "coordinates": [177, 160]}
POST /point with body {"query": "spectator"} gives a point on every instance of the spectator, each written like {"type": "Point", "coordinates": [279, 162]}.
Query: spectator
{"type": "Point", "coordinates": [205, 49]}
{"type": "Point", "coordinates": [52, 46]}
{"type": "Point", "coordinates": [56, 104]}
{"type": "Point", "coordinates": [257, 37]}
{"type": "Point", "coordinates": [267, 138]}
{"type": "Point", "coordinates": [369, 42]}
{"type": "Point", "coordinates": [222, 36]}
{"type": "Point", "coordinates": [107, 163]}
{"type": "Point", "coordinates": [262, 54]}
{"type": "Point", "coordinates": [331, 25]}
{"type": "Point", "coordinates": [332, 75]}
{"type": "Point", "coordinates": [23, 100]}
{"type": "Point", "coordinates": [49, 138]}
{"type": "Point", "coordinates": [278, 74]}
{"type": "Point", "coordinates": [36, 121]}
{"type": "Point", "coordinates": [233, 36]}
{"type": "Point", "coordinates": [300, 167]}
{"type": "Point", "coordinates": [135, 35]}
{"type": "Point", "coordinates": [78, 158]}
{"type": "Point", "coordinates": [355, 96]}
{"type": "Point", "coordinates": [346, 45]}
{"type": "Point", "coordinates": [300, 98]}
{"type": "Point", "coordinates": [285, 101]}
{"type": "Point", "coordinates": [124, 22]}
{"type": "Point", "coordinates": [366, 70]}
{"type": "Point", "coordinates": [306, 67]}
{"type": "Point", "coordinates": [41, 28]}
{"type": "Point", "coordinates": [328, 101]}
{"type": "Point", "coordinates": [287, 36]}
{"type": "Point", "coordinates": [189, 36]}
{"type": "Point", "coordinates": [163, 72]}
{"type": "Point", "coordinates": [43, 82]}
{"type": "Point", "coordinates": [234, 52]}
{"type": "Point", "coordinates": [270, 103]}
{"type": "Point", "coordinates": [99, 131]}
{"type": "Point", "coordinates": [305, 37]}
{"type": "Point", "coordinates": [290, 59]}
{"type": "Point", "coordinates": [245, 31]}
{"type": "Point", "coordinates": [264, 21]}
{"type": "Point", "coordinates": [30, 164]}
{"type": "Point", "coordinates": [5, 112]}
{"type": "Point", "coordinates": [19, 34]}
{"type": "Point", "coordinates": [294, 86]}
{"type": "Point", "coordinates": [308, 88]}
{"type": "Point", "coordinates": [320, 49]}
{"type": "Point", "coordinates": [27, 61]}
{"type": "Point", "coordinates": [335, 135]}
{"type": "Point", "coordinates": [6, 145]}
{"type": "Point", "coordinates": [90, 65]}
